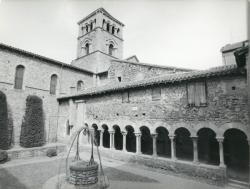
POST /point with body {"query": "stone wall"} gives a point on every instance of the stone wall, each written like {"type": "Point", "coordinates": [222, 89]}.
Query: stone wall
{"type": "Point", "coordinates": [226, 107]}
{"type": "Point", "coordinates": [134, 72]}
{"type": "Point", "coordinates": [36, 82]}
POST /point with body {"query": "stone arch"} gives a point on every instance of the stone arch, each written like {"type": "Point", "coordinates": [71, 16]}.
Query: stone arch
{"type": "Point", "coordinates": [146, 141]}
{"type": "Point", "coordinates": [96, 134]}
{"type": "Point", "coordinates": [106, 136]}
{"type": "Point", "coordinates": [117, 137]}
{"type": "Point", "coordinates": [183, 143]}
{"type": "Point", "coordinates": [236, 153]}
{"type": "Point", "coordinates": [208, 146]}
{"type": "Point", "coordinates": [163, 143]}
{"type": "Point", "coordinates": [130, 139]}
{"type": "Point", "coordinates": [234, 125]}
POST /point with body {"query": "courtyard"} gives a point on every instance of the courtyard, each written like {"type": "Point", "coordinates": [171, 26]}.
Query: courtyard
{"type": "Point", "coordinates": [36, 172]}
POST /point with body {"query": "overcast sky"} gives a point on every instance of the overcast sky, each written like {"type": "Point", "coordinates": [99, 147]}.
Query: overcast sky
{"type": "Point", "coordinates": [183, 33]}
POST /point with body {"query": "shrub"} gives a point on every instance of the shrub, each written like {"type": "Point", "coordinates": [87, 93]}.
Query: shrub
{"type": "Point", "coordinates": [3, 156]}
{"type": "Point", "coordinates": [51, 152]}
{"type": "Point", "coordinates": [5, 135]}
{"type": "Point", "coordinates": [32, 129]}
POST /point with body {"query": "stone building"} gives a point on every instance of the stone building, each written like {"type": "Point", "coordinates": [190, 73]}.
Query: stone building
{"type": "Point", "coordinates": [181, 120]}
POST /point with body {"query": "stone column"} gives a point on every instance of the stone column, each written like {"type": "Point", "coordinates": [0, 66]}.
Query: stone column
{"type": "Point", "coordinates": [173, 153]}
{"type": "Point", "coordinates": [101, 139]}
{"type": "Point", "coordinates": [154, 136]}
{"type": "Point", "coordinates": [124, 134]}
{"type": "Point", "coordinates": [195, 150]}
{"type": "Point", "coordinates": [138, 143]}
{"type": "Point", "coordinates": [111, 139]}
{"type": "Point", "coordinates": [220, 140]}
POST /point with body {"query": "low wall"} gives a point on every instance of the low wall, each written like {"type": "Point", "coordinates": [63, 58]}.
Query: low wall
{"type": "Point", "coordinates": [19, 152]}
{"type": "Point", "coordinates": [201, 172]}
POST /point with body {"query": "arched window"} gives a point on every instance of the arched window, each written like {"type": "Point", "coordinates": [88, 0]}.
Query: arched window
{"type": "Point", "coordinates": [111, 48]}
{"type": "Point", "coordinates": [108, 27]}
{"type": "Point", "coordinates": [87, 48]}
{"type": "Point", "coordinates": [79, 85]}
{"type": "Point", "coordinates": [113, 30]}
{"type": "Point", "coordinates": [118, 30]}
{"type": "Point", "coordinates": [103, 22]}
{"type": "Point", "coordinates": [53, 84]}
{"type": "Point", "coordinates": [19, 77]}
{"type": "Point", "coordinates": [91, 26]}
{"type": "Point", "coordinates": [87, 28]}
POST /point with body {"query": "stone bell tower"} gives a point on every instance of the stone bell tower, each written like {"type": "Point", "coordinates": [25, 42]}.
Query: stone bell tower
{"type": "Point", "coordinates": [99, 40]}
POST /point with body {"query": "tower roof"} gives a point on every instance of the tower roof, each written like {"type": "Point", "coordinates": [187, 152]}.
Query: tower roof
{"type": "Point", "coordinates": [101, 10]}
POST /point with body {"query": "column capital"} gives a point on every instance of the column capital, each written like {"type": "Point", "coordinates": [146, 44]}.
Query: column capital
{"type": "Point", "coordinates": [138, 134]}
{"type": "Point", "coordinates": [220, 139]}
{"type": "Point", "coordinates": [111, 132]}
{"type": "Point", "coordinates": [171, 137]}
{"type": "Point", "coordinates": [124, 133]}
{"type": "Point", "coordinates": [154, 135]}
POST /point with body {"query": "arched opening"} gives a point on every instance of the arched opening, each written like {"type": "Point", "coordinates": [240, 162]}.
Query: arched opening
{"type": "Point", "coordinates": [163, 143]}
{"type": "Point", "coordinates": [53, 84]}
{"type": "Point", "coordinates": [96, 135]}
{"type": "Point", "coordinates": [118, 30]}
{"type": "Point", "coordinates": [19, 77]}
{"type": "Point", "coordinates": [113, 29]}
{"type": "Point", "coordinates": [86, 48]}
{"type": "Point", "coordinates": [108, 27]}
{"type": "Point", "coordinates": [87, 28]}
{"type": "Point", "coordinates": [130, 139]}
{"type": "Point", "coordinates": [208, 147]}
{"type": "Point", "coordinates": [91, 26]}
{"type": "Point", "coordinates": [111, 48]}
{"type": "Point", "coordinates": [106, 136]}
{"type": "Point", "coordinates": [103, 22]}
{"type": "Point", "coordinates": [146, 141]}
{"type": "Point", "coordinates": [118, 138]}
{"type": "Point", "coordinates": [184, 144]}
{"type": "Point", "coordinates": [236, 153]}
{"type": "Point", "coordinates": [80, 85]}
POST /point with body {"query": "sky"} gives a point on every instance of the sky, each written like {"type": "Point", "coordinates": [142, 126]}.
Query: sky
{"type": "Point", "coordinates": [181, 33]}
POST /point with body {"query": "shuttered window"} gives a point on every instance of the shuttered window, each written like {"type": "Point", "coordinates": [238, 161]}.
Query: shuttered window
{"type": "Point", "coordinates": [53, 84]}
{"type": "Point", "coordinates": [156, 93]}
{"type": "Point", "coordinates": [196, 93]}
{"type": "Point", "coordinates": [19, 77]}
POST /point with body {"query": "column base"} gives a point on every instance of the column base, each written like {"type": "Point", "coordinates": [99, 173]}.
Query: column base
{"type": "Point", "coordinates": [222, 165]}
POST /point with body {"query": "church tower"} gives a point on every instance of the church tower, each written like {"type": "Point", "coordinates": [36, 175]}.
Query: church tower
{"type": "Point", "coordinates": [99, 40]}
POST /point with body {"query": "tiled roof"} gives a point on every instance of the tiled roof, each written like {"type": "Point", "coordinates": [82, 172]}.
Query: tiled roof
{"type": "Point", "coordinates": [153, 65]}
{"type": "Point", "coordinates": [170, 78]}
{"type": "Point", "coordinates": [43, 58]}
{"type": "Point", "coordinates": [234, 46]}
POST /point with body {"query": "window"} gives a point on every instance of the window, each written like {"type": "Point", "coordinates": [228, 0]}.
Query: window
{"type": "Point", "coordinates": [87, 28]}
{"type": "Point", "coordinates": [107, 26]}
{"type": "Point", "coordinates": [103, 22]}
{"type": "Point", "coordinates": [125, 97]}
{"type": "Point", "coordinates": [119, 78]}
{"type": "Point", "coordinates": [113, 30]}
{"type": "Point", "coordinates": [111, 48]}
{"type": "Point", "coordinates": [91, 26]}
{"type": "Point", "coordinates": [19, 77]}
{"type": "Point", "coordinates": [156, 93]}
{"type": "Point", "coordinates": [79, 85]}
{"type": "Point", "coordinates": [86, 48]}
{"type": "Point", "coordinates": [196, 93]}
{"type": "Point", "coordinates": [118, 30]}
{"type": "Point", "coordinates": [53, 84]}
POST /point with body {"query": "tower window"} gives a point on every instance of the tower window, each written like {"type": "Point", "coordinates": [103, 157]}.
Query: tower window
{"type": "Point", "coordinates": [111, 48]}
{"type": "Point", "coordinates": [19, 77]}
{"type": "Point", "coordinates": [87, 28]}
{"type": "Point", "coordinates": [103, 22]}
{"type": "Point", "coordinates": [79, 85]}
{"type": "Point", "coordinates": [113, 30]}
{"type": "Point", "coordinates": [119, 78]}
{"type": "Point", "coordinates": [87, 48]}
{"type": "Point", "coordinates": [53, 84]}
{"type": "Point", "coordinates": [107, 26]}
{"type": "Point", "coordinates": [91, 26]}
{"type": "Point", "coordinates": [118, 30]}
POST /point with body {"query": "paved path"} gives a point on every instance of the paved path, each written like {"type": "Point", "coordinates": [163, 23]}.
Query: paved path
{"type": "Point", "coordinates": [33, 173]}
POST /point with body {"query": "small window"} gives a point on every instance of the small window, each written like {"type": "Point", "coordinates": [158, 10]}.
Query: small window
{"type": "Point", "coordinates": [113, 30]}
{"type": "Point", "coordinates": [125, 97]}
{"type": "Point", "coordinates": [196, 93]}
{"type": "Point", "coordinates": [87, 28]}
{"type": "Point", "coordinates": [119, 78]}
{"type": "Point", "coordinates": [86, 48]}
{"type": "Point", "coordinates": [118, 30]}
{"type": "Point", "coordinates": [111, 48]}
{"type": "Point", "coordinates": [53, 84]}
{"type": "Point", "coordinates": [103, 22]}
{"type": "Point", "coordinates": [80, 85]}
{"type": "Point", "coordinates": [156, 93]}
{"type": "Point", "coordinates": [91, 26]}
{"type": "Point", "coordinates": [19, 77]}
{"type": "Point", "coordinates": [108, 27]}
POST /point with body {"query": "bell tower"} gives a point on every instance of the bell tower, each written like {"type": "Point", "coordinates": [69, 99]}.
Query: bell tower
{"type": "Point", "coordinates": [99, 40]}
